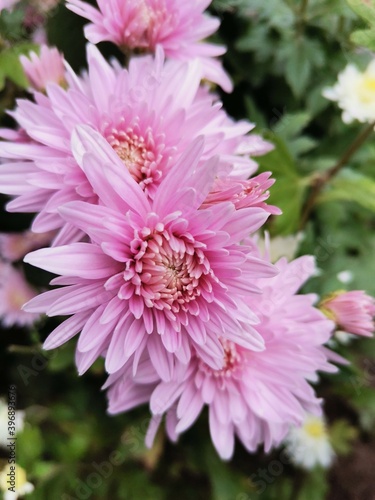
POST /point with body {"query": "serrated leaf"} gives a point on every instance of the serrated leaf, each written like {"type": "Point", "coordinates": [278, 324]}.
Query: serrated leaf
{"type": "Point", "coordinates": [351, 186]}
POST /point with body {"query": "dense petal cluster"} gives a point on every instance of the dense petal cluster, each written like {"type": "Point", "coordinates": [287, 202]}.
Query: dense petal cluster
{"type": "Point", "coordinates": [148, 114]}
{"type": "Point", "coordinates": [352, 312]}
{"type": "Point", "coordinates": [163, 274]}
{"type": "Point", "coordinates": [178, 27]}
{"type": "Point", "coordinates": [254, 395]}
{"type": "Point", "coordinates": [48, 67]}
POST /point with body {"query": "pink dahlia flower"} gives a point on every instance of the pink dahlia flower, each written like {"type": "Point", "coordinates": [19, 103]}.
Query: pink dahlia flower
{"type": "Point", "coordinates": [14, 293]}
{"type": "Point", "coordinates": [353, 311]}
{"type": "Point", "coordinates": [176, 26]}
{"type": "Point", "coordinates": [148, 114]}
{"type": "Point", "coordinates": [14, 246]}
{"type": "Point", "coordinates": [48, 67]}
{"type": "Point", "coordinates": [159, 273]}
{"type": "Point", "coordinates": [254, 395]}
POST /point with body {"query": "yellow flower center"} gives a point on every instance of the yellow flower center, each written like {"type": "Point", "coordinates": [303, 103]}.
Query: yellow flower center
{"type": "Point", "coordinates": [20, 478]}
{"type": "Point", "coordinates": [366, 90]}
{"type": "Point", "coordinates": [315, 428]}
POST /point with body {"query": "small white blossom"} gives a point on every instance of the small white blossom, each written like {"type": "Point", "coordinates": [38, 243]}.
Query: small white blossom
{"type": "Point", "coordinates": [308, 445]}
{"type": "Point", "coordinates": [20, 487]}
{"type": "Point", "coordinates": [345, 277]}
{"type": "Point", "coordinates": [355, 93]}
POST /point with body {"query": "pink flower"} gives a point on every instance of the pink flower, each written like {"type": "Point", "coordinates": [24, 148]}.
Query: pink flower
{"type": "Point", "coordinates": [8, 4]}
{"type": "Point", "coordinates": [149, 114]}
{"type": "Point", "coordinates": [48, 67]}
{"type": "Point", "coordinates": [243, 193]}
{"type": "Point", "coordinates": [254, 395]}
{"type": "Point", "coordinates": [176, 26]}
{"type": "Point", "coordinates": [352, 311]}
{"type": "Point", "coordinates": [14, 246]}
{"type": "Point", "coordinates": [159, 273]}
{"type": "Point", "coordinates": [14, 293]}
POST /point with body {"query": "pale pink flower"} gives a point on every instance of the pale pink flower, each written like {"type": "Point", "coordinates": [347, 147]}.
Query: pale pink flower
{"type": "Point", "coordinates": [178, 27]}
{"type": "Point", "coordinates": [254, 395]}
{"type": "Point", "coordinates": [47, 67]}
{"type": "Point", "coordinates": [8, 4]}
{"type": "Point", "coordinates": [149, 114]}
{"type": "Point", "coordinates": [14, 293]}
{"type": "Point", "coordinates": [159, 273]}
{"type": "Point", "coordinates": [353, 311]}
{"type": "Point", "coordinates": [243, 193]}
{"type": "Point", "coordinates": [14, 246]}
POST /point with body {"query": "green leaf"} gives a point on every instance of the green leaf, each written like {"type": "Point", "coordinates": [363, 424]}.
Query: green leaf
{"type": "Point", "coordinates": [342, 435]}
{"type": "Point", "coordinates": [10, 66]}
{"type": "Point", "coordinates": [292, 124]}
{"type": "Point", "coordinates": [288, 191]}
{"type": "Point", "coordinates": [365, 38]}
{"type": "Point", "coordinates": [29, 446]}
{"type": "Point", "coordinates": [351, 186]}
{"type": "Point", "coordinates": [364, 8]}
{"type": "Point", "coordinates": [226, 484]}
{"type": "Point", "coordinates": [315, 486]}
{"type": "Point", "coordinates": [297, 69]}
{"type": "Point", "coordinates": [11, 23]}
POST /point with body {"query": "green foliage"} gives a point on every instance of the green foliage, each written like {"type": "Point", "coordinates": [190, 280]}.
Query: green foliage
{"type": "Point", "coordinates": [365, 9]}
{"type": "Point", "coordinates": [342, 436]}
{"type": "Point", "coordinates": [291, 187]}
{"type": "Point", "coordinates": [351, 186]}
{"type": "Point", "coordinates": [10, 66]}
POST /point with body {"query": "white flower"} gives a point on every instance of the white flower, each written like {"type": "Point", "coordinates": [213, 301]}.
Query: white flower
{"type": "Point", "coordinates": [308, 445]}
{"type": "Point", "coordinates": [355, 93]}
{"type": "Point", "coordinates": [345, 277]}
{"type": "Point", "coordinates": [13, 482]}
{"type": "Point", "coordinates": [18, 422]}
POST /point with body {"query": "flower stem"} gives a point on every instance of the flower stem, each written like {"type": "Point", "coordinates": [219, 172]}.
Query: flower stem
{"type": "Point", "coordinates": [325, 177]}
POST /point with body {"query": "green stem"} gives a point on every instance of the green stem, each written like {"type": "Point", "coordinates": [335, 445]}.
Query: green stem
{"type": "Point", "coordinates": [326, 177]}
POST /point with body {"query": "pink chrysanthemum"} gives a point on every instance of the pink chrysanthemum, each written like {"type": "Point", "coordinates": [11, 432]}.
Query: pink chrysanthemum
{"type": "Point", "coordinates": [176, 26]}
{"type": "Point", "coordinates": [48, 67]}
{"type": "Point", "coordinates": [14, 246]}
{"type": "Point", "coordinates": [159, 273]}
{"type": "Point", "coordinates": [243, 193]}
{"type": "Point", "coordinates": [148, 114]}
{"type": "Point", "coordinates": [14, 293]}
{"type": "Point", "coordinates": [254, 395]}
{"type": "Point", "coordinates": [353, 311]}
